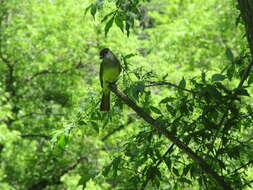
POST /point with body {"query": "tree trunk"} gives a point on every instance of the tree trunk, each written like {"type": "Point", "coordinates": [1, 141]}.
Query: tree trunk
{"type": "Point", "coordinates": [246, 8]}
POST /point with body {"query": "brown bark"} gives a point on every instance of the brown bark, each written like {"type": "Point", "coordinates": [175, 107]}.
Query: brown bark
{"type": "Point", "coordinates": [246, 8]}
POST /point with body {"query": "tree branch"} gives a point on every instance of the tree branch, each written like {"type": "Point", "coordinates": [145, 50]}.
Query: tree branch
{"type": "Point", "coordinates": [40, 114]}
{"type": "Point", "coordinates": [243, 166]}
{"type": "Point", "coordinates": [36, 135]}
{"type": "Point", "coordinates": [46, 71]}
{"type": "Point", "coordinates": [159, 83]}
{"type": "Point", "coordinates": [73, 166]}
{"type": "Point", "coordinates": [117, 129]}
{"type": "Point", "coordinates": [43, 183]}
{"type": "Point", "coordinates": [245, 74]}
{"type": "Point", "coordinates": [246, 9]}
{"type": "Point", "coordinates": [43, 72]}
{"type": "Point", "coordinates": [169, 135]}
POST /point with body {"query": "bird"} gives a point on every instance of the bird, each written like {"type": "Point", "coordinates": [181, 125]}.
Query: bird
{"type": "Point", "coordinates": [110, 69]}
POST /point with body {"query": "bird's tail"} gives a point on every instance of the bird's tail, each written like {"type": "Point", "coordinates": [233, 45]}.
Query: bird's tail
{"type": "Point", "coordinates": [105, 102]}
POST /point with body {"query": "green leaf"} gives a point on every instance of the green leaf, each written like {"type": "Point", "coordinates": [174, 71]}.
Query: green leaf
{"type": "Point", "coordinates": [250, 79]}
{"type": "Point", "coordinates": [62, 141]}
{"type": "Point", "coordinates": [168, 163]}
{"type": "Point", "coordinates": [213, 92]}
{"type": "Point", "coordinates": [140, 86]}
{"type": "Point", "coordinates": [193, 170]}
{"type": "Point", "coordinates": [107, 16]}
{"type": "Point", "coordinates": [238, 20]}
{"type": "Point", "coordinates": [242, 92]}
{"type": "Point", "coordinates": [156, 182]}
{"type": "Point", "coordinates": [229, 54]}
{"type": "Point", "coordinates": [115, 165]}
{"type": "Point", "coordinates": [222, 165]}
{"type": "Point", "coordinates": [231, 72]}
{"type": "Point", "coordinates": [135, 179]}
{"type": "Point", "coordinates": [175, 171]}
{"type": "Point", "coordinates": [249, 109]}
{"type": "Point", "coordinates": [85, 178]}
{"type": "Point", "coordinates": [93, 10]}
{"type": "Point", "coordinates": [170, 109]}
{"type": "Point", "coordinates": [119, 22]}
{"type": "Point", "coordinates": [81, 122]}
{"type": "Point", "coordinates": [129, 24]}
{"type": "Point", "coordinates": [130, 55]}
{"type": "Point", "coordinates": [136, 89]}
{"type": "Point", "coordinates": [106, 170]}
{"type": "Point", "coordinates": [203, 77]}
{"type": "Point", "coordinates": [166, 100]}
{"type": "Point", "coordinates": [152, 172]}
{"type": "Point", "coordinates": [155, 110]}
{"type": "Point", "coordinates": [127, 29]}
{"type": "Point", "coordinates": [185, 180]}
{"type": "Point", "coordinates": [108, 25]}
{"type": "Point", "coordinates": [186, 170]}
{"type": "Point", "coordinates": [95, 126]}
{"type": "Point", "coordinates": [218, 77]}
{"type": "Point", "coordinates": [222, 87]}
{"type": "Point", "coordinates": [182, 83]}
{"type": "Point", "coordinates": [87, 9]}
{"type": "Point", "coordinates": [125, 57]}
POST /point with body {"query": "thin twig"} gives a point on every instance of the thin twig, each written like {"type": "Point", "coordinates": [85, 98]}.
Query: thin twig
{"type": "Point", "coordinates": [43, 72]}
{"type": "Point", "coordinates": [245, 74]}
{"type": "Point", "coordinates": [73, 166]}
{"type": "Point", "coordinates": [160, 83]}
{"type": "Point", "coordinates": [243, 166]}
{"type": "Point", "coordinates": [40, 114]}
{"type": "Point", "coordinates": [46, 71]}
{"type": "Point", "coordinates": [36, 135]}
{"type": "Point", "coordinates": [117, 129]}
{"type": "Point", "coordinates": [219, 129]}
{"type": "Point", "coordinates": [43, 183]}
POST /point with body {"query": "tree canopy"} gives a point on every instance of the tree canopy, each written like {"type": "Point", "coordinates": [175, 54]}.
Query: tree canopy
{"type": "Point", "coordinates": [181, 112]}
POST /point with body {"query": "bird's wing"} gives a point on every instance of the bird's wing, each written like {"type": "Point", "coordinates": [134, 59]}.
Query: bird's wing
{"type": "Point", "coordinates": [120, 68]}
{"type": "Point", "coordinates": [117, 62]}
{"type": "Point", "coordinates": [100, 73]}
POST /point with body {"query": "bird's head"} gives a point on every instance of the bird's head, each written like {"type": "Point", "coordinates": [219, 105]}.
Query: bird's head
{"type": "Point", "coordinates": [104, 52]}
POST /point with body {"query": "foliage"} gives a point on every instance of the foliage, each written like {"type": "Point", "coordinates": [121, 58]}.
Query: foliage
{"type": "Point", "coordinates": [182, 64]}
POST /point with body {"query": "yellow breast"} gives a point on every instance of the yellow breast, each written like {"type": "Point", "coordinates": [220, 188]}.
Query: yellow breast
{"type": "Point", "coordinates": [110, 74]}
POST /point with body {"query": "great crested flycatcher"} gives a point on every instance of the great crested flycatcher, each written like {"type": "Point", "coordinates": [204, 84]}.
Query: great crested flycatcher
{"type": "Point", "coordinates": [110, 69]}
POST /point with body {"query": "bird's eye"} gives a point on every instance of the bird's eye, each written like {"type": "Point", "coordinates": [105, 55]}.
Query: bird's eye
{"type": "Point", "coordinates": [104, 52]}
